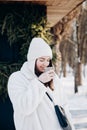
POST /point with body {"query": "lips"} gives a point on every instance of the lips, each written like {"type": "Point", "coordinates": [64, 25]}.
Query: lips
{"type": "Point", "coordinates": [42, 68]}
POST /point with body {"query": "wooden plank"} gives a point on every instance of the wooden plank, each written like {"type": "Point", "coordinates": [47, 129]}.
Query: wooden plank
{"type": "Point", "coordinates": [56, 13]}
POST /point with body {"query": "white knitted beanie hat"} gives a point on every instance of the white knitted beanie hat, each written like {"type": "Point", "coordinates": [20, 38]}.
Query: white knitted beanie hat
{"type": "Point", "coordinates": [38, 48]}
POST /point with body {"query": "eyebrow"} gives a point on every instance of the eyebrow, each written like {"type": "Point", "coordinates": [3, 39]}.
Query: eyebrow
{"type": "Point", "coordinates": [44, 58]}
{"type": "Point", "coordinates": [41, 58]}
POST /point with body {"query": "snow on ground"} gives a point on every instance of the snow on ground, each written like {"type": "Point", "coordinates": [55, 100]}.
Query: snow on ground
{"type": "Point", "coordinates": [78, 100]}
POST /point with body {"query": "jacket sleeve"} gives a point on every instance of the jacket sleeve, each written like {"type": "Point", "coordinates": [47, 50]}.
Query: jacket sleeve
{"type": "Point", "coordinates": [63, 101]}
{"type": "Point", "coordinates": [69, 116]}
{"type": "Point", "coordinates": [65, 105]}
{"type": "Point", "coordinates": [25, 100]}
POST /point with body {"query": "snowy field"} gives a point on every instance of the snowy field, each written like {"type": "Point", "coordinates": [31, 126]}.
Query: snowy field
{"type": "Point", "coordinates": [78, 100]}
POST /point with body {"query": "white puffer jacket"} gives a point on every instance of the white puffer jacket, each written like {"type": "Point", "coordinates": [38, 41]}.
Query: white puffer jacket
{"type": "Point", "coordinates": [32, 108]}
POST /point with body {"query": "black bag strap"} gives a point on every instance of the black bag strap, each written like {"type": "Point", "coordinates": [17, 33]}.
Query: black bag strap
{"type": "Point", "coordinates": [49, 97]}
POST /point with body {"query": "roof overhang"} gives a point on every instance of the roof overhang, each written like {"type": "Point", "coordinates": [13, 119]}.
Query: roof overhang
{"type": "Point", "coordinates": [56, 9]}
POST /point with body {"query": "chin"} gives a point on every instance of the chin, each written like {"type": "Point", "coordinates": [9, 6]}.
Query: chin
{"type": "Point", "coordinates": [42, 70]}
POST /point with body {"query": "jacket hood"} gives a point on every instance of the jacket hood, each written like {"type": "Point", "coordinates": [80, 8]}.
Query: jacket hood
{"type": "Point", "coordinates": [38, 48]}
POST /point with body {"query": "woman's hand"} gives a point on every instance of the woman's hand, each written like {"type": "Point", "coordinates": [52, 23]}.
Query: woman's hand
{"type": "Point", "coordinates": [46, 76]}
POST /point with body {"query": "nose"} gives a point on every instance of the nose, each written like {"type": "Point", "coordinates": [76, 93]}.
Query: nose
{"type": "Point", "coordinates": [45, 64]}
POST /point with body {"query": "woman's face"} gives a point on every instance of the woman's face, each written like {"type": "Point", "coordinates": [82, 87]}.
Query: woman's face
{"type": "Point", "coordinates": [42, 63]}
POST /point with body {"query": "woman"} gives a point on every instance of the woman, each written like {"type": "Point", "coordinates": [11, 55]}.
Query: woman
{"type": "Point", "coordinates": [27, 90]}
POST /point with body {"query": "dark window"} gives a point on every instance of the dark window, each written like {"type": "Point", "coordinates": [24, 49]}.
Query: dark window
{"type": "Point", "coordinates": [8, 53]}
